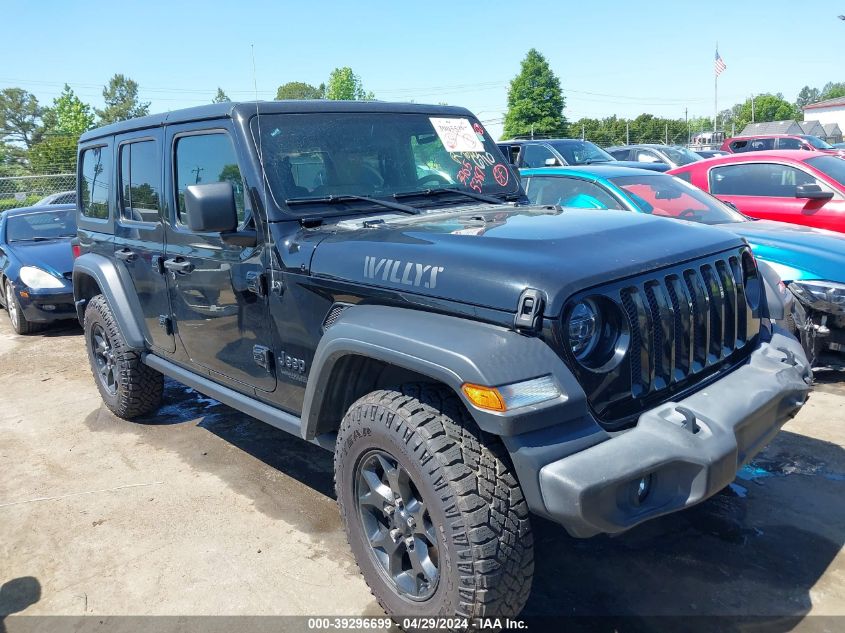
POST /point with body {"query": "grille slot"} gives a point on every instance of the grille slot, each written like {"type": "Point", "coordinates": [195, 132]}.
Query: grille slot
{"type": "Point", "coordinates": [333, 315]}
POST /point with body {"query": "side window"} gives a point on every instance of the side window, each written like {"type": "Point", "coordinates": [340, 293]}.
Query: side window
{"type": "Point", "coordinates": [140, 179]}
{"type": "Point", "coordinates": [758, 179]}
{"type": "Point", "coordinates": [621, 154]}
{"type": "Point", "coordinates": [739, 146]}
{"type": "Point", "coordinates": [789, 143]}
{"type": "Point", "coordinates": [685, 175]}
{"type": "Point", "coordinates": [762, 144]}
{"type": "Point", "coordinates": [571, 192]}
{"type": "Point", "coordinates": [95, 183]}
{"type": "Point", "coordinates": [535, 155]}
{"type": "Point", "coordinates": [206, 158]}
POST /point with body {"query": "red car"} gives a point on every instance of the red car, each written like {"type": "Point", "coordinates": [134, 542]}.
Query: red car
{"type": "Point", "coordinates": [767, 142]}
{"type": "Point", "coordinates": [787, 186]}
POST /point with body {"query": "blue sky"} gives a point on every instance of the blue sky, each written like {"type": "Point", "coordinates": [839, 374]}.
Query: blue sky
{"type": "Point", "coordinates": [612, 57]}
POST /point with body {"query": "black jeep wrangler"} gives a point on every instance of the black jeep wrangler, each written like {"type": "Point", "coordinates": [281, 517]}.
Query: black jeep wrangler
{"type": "Point", "coordinates": [369, 276]}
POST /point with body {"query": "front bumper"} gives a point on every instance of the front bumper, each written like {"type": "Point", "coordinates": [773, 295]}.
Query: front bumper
{"type": "Point", "coordinates": [596, 490]}
{"type": "Point", "coordinates": [46, 305]}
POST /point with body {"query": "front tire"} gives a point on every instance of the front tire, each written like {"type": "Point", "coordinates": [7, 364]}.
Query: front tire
{"type": "Point", "coordinates": [128, 387]}
{"type": "Point", "coordinates": [433, 512]}
{"type": "Point", "coordinates": [16, 316]}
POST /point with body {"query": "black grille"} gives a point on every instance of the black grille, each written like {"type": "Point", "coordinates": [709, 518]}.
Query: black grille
{"type": "Point", "coordinates": [685, 323]}
{"type": "Point", "coordinates": [333, 315]}
{"type": "Point", "coordinates": [680, 330]}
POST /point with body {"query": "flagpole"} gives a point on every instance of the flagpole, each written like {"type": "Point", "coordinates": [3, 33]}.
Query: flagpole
{"type": "Point", "coordinates": [715, 94]}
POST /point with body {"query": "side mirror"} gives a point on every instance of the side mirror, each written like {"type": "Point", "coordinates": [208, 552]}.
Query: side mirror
{"type": "Point", "coordinates": [551, 162]}
{"type": "Point", "coordinates": [812, 192]}
{"type": "Point", "coordinates": [211, 208]}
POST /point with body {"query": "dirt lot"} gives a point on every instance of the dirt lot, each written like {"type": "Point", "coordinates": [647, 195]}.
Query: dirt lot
{"type": "Point", "coordinates": [201, 510]}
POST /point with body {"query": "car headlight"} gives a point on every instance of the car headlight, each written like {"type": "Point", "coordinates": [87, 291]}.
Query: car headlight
{"type": "Point", "coordinates": [825, 296]}
{"type": "Point", "coordinates": [596, 332]}
{"type": "Point", "coordinates": [37, 278]}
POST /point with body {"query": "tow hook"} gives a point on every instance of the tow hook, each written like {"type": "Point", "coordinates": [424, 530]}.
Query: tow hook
{"type": "Point", "coordinates": [790, 356]}
{"type": "Point", "coordinates": [690, 421]}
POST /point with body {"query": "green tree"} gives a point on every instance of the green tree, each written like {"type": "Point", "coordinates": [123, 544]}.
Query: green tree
{"type": "Point", "coordinates": [832, 90]}
{"type": "Point", "coordinates": [121, 98]}
{"type": "Point", "coordinates": [69, 115]}
{"type": "Point", "coordinates": [767, 107]}
{"type": "Point", "coordinates": [20, 117]}
{"type": "Point", "coordinates": [346, 85]}
{"type": "Point", "coordinates": [300, 90]}
{"type": "Point", "coordinates": [807, 96]}
{"type": "Point", "coordinates": [56, 154]}
{"type": "Point", "coordinates": [535, 100]}
{"type": "Point", "coordinates": [220, 97]}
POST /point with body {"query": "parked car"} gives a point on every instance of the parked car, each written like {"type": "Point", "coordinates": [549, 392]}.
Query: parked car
{"type": "Point", "coordinates": [563, 151]}
{"type": "Point", "coordinates": [810, 261]}
{"type": "Point", "coordinates": [710, 153]}
{"type": "Point", "coordinates": [767, 142]}
{"type": "Point", "coordinates": [36, 260]}
{"type": "Point", "coordinates": [839, 145]}
{"type": "Point", "coordinates": [468, 360]}
{"type": "Point", "coordinates": [787, 186]}
{"type": "Point", "coordinates": [62, 197]}
{"type": "Point", "coordinates": [652, 153]}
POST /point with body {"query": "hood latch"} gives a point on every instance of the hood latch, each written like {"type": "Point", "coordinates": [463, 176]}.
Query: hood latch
{"type": "Point", "coordinates": [529, 311]}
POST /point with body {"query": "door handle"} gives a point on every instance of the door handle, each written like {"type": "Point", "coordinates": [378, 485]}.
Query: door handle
{"type": "Point", "coordinates": [126, 255]}
{"type": "Point", "coordinates": [178, 265]}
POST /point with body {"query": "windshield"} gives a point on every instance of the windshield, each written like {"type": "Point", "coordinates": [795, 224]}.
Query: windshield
{"type": "Point", "coordinates": [816, 142]}
{"type": "Point", "coordinates": [377, 155]}
{"type": "Point", "coordinates": [41, 226]}
{"type": "Point", "coordinates": [680, 155]}
{"type": "Point", "coordinates": [832, 166]}
{"type": "Point", "coordinates": [581, 152]}
{"type": "Point", "coordinates": [668, 196]}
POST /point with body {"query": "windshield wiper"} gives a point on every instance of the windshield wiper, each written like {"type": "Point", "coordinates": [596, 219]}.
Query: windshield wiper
{"type": "Point", "coordinates": [404, 208]}
{"type": "Point", "coordinates": [441, 190]}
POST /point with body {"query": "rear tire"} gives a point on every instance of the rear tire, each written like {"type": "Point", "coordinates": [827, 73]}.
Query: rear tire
{"type": "Point", "coordinates": [470, 552]}
{"type": "Point", "coordinates": [128, 387]}
{"type": "Point", "coordinates": [16, 315]}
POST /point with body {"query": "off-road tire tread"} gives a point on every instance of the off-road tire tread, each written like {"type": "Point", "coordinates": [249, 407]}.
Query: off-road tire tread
{"type": "Point", "coordinates": [491, 522]}
{"type": "Point", "coordinates": [140, 388]}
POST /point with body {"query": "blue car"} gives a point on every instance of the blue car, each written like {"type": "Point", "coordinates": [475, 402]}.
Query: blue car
{"type": "Point", "coordinates": [810, 261]}
{"type": "Point", "coordinates": [36, 260]}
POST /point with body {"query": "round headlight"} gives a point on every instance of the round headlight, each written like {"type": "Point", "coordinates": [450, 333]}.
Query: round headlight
{"type": "Point", "coordinates": [584, 329]}
{"type": "Point", "coordinates": [597, 333]}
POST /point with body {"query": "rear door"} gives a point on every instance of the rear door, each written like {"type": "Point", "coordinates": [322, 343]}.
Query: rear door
{"type": "Point", "coordinates": [767, 190]}
{"type": "Point", "coordinates": [139, 235]}
{"type": "Point", "coordinates": [219, 306]}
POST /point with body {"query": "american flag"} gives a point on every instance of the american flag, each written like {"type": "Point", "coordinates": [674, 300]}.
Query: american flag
{"type": "Point", "coordinates": [719, 65]}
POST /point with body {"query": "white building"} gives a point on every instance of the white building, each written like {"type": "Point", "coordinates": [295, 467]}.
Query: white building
{"type": "Point", "coordinates": [828, 112]}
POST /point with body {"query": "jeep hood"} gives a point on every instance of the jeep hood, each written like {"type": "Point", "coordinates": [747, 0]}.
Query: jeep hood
{"type": "Point", "coordinates": [487, 255]}
{"type": "Point", "coordinates": [799, 252]}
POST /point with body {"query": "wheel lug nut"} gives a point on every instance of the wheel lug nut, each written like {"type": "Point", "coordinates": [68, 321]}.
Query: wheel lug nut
{"type": "Point", "coordinates": [411, 522]}
{"type": "Point", "coordinates": [409, 542]}
{"type": "Point", "coordinates": [389, 509]}
{"type": "Point", "coordinates": [395, 534]}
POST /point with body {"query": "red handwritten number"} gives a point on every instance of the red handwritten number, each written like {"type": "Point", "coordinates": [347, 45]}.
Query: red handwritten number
{"type": "Point", "coordinates": [465, 172]}
{"type": "Point", "coordinates": [478, 129]}
{"type": "Point", "coordinates": [477, 179]}
{"type": "Point", "coordinates": [500, 173]}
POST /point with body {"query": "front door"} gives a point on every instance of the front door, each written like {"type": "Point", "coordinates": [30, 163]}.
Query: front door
{"type": "Point", "coordinates": [220, 313]}
{"type": "Point", "coordinates": [139, 232]}
{"type": "Point", "coordinates": [768, 191]}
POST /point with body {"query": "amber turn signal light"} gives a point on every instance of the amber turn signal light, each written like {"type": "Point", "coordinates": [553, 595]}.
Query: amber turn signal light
{"type": "Point", "coordinates": [484, 397]}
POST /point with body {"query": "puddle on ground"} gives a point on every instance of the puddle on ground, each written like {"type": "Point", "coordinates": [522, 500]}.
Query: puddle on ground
{"type": "Point", "coordinates": [782, 465]}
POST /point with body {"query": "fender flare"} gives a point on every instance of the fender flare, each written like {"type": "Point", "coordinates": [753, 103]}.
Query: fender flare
{"type": "Point", "coordinates": [124, 305]}
{"type": "Point", "coordinates": [452, 351]}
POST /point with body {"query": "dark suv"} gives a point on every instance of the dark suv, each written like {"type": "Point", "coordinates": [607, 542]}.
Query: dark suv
{"type": "Point", "coordinates": [369, 277]}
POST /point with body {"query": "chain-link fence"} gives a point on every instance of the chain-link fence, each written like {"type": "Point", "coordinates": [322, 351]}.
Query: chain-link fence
{"type": "Point", "coordinates": [23, 191]}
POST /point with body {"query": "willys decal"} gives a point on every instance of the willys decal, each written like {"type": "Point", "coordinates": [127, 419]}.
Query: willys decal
{"type": "Point", "coordinates": [399, 272]}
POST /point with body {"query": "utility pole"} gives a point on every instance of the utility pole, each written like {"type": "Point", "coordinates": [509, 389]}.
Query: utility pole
{"type": "Point", "coordinates": [627, 132]}
{"type": "Point", "coordinates": [582, 132]}
{"type": "Point", "coordinates": [667, 134]}
{"type": "Point", "coordinates": [689, 132]}
{"type": "Point", "coordinates": [197, 170]}
{"type": "Point", "coordinates": [532, 131]}
{"type": "Point", "coordinates": [752, 108]}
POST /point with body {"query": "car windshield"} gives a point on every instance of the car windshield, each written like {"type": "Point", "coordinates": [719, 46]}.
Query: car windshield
{"type": "Point", "coordinates": [816, 142]}
{"type": "Point", "coordinates": [33, 227]}
{"type": "Point", "coordinates": [376, 155]}
{"type": "Point", "coordinates": [668, 196]}
{"type": "Point", "coordinates": [832, 166]}
{"type": "Point", "coordinates": [680, 155]}
{"type": "Point", "coordinates": [581, 152]}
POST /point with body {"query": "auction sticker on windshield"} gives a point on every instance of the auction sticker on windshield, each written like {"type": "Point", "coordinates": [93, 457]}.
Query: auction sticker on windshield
{"type": "Point", "coordinates": [457, 135]}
